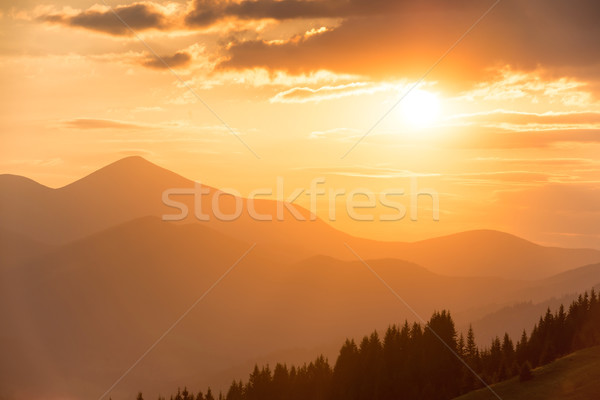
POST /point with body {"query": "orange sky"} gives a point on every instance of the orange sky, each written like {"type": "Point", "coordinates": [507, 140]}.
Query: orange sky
{"type": "Point", "coordinates": [515, 146]}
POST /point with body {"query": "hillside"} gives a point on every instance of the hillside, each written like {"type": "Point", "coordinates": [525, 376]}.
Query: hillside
{"type": "Point", "coordinates": [513, 318]}
{"type": "Point", "coordinates": [140, 275]}
{"type": "Point", "coordinates": [574, 377]}
{"type": "Point", "coordinates": [100, 300]}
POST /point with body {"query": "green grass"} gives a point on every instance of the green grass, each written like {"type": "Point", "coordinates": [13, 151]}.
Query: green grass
{"type": "Point", "coordinates": [574, 377]}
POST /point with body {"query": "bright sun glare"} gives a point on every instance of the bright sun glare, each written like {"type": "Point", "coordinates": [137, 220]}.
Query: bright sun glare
{"type": "Point", "coordinates": [420, 108]}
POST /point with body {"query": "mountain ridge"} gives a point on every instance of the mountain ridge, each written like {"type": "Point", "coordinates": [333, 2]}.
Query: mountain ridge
{"type": "Point", "coordinates": [132, 188]}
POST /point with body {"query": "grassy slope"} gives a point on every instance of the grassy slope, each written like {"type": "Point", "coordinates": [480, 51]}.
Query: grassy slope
{"type": "Point", "coordinates": [574, 377]}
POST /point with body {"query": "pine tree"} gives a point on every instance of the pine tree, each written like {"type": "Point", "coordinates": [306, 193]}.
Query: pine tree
{"type": "Point", "coordinates": [461, 346]}
{"type": "Point", "coordinates": [525, 374]}
{"type": "Point", "coordinates": [209, 395]}
{"type": "Point", "coordinates": [471, 349]}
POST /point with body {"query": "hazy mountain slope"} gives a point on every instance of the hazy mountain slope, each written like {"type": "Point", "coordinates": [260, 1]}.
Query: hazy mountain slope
{"type": "Point", "coordinates": [486, 252]}
{"type": "Point", "coordinates": [523, 315]}
{"type": "Point", "coordinates": [16, 248]}
{"type": "Point", "coordinates": [98, 302]}
{"type": "Point", "coordinates": [83, 312]}
{"type": "Point", "coordinates": [132, 188]}
{"type": "Point", "coordinates": [574, 377]}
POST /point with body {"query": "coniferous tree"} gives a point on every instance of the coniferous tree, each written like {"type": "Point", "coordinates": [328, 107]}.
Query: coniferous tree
{"type": "Point", "coordinates": [525, 373]}
{"type": "Point", "coordinates": [209, 395]}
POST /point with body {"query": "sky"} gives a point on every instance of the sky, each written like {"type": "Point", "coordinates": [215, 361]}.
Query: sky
{"type": "Point", "coordinates": [503, 123]}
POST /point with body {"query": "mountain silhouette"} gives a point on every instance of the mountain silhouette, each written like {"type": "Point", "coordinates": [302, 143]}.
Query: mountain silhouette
{"type": "Point", "coordinates": [132, 188]}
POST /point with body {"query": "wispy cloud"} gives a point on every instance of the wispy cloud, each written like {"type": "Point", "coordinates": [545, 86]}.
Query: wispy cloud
{"type": "Point", "coordinates": [307, 94]}
{"type": "Point", "coordinates": [537, 85]}
{"type": "Point", "coordinates": [90, 123]}
{"type": "Point", "coordinates": [521, 117]}
{"type": "Point", "coordinates": [527, 178]}
{"type": "Point", "coordinates": [375, 172]}
{"type": "Point", "coordinates": [539, 161]}
{"type": "Point", "coordinates": [337, 133]}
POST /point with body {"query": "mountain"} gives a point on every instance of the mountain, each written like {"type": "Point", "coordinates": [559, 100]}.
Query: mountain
{"type": "Point", "coordinates": [127, 189]}
{"type": "Point", "coordinates": [574, 377]}
{"type": "Point", "coordinates": [484, 253]}
{"type": "Point", "coordinates": [79, 314]}
{"type": "Point", "coordinates": [132, 188]}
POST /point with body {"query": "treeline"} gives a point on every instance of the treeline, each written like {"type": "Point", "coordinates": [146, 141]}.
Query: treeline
{"type": "Point", "coordinates": [420, 362]}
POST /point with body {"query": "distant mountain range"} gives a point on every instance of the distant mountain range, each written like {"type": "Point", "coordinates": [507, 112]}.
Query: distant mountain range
{"type": "Point", "coordinates": [132, 188]}
{"type": "Point", "coordinates": [91, 277]}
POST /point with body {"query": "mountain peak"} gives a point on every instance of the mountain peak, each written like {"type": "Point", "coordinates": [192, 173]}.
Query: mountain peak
{"type": "Point", "coordinates": [132, 160]}
{"type": "Point", "coordinates": [132, 170]}
{"type": "Point", "coordinates": [130, 164]}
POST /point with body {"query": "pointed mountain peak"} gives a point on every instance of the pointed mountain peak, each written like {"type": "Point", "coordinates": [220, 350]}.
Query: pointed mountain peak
{"type": "Point", "coordinates": [131, 163]}
{"type": "Point", "coordinates": [133, 170]}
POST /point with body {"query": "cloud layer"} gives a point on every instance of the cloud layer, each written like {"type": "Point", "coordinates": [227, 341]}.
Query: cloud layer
{"type": "Point", "coordinates": [382, 38]}
{"type": "Point", "coordinates": [403, 38]}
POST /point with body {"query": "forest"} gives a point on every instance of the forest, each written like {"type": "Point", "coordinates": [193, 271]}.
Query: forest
{"type": "Point", "coordinates": [420, 361]}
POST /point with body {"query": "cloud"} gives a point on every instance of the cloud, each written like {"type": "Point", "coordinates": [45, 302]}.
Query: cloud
{"type": "Point", "coordinates": [546, 162]}
{"type": "Point", "coordinates": [139, 16]}
{"type": "Point", "coordinates": [404, 38]}
{"type": "Point", "coordinates": [553, 210]}
{"type": "Point", "coordinates": [307, 94]}
{"type": "Point", "coordinates": [481, 137]}
{"type": "Point", "coordinates": [527, 178]}
{"type": "Point", "coordinates": [535, 85]}
{"type": "Point", "coordinates": [207, 12]}
{"type": "Point", "coordinates": [375, 172]}
{"type": "Point", "coordinates": [335, 133]}
{"type": "Point", "coordinates": [379, 38]}
{"type": "Point", "coordinates": [518, 121]}
{"type": "Point", "coordinates": [49, 162]}
{"type": "Point", "coordinates": [89, 123]}
{"type": "Point", "coordinates": [179, 59]}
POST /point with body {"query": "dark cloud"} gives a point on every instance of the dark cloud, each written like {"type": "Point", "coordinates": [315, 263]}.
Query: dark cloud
{"type": "Point", "coordinates": [139, 17]}
{"type": "Point", "coordinates": [179, 59]}
{"type": "Point", "coordinates": [392, 38]}
{"type": "Point", "coordinates": [207, 12]}
{"type": "Point", "coordinates": [404, 38]}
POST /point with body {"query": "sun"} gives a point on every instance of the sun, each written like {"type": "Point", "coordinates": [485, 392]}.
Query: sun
{"type": "Point", "coordinates": [420, 108]}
